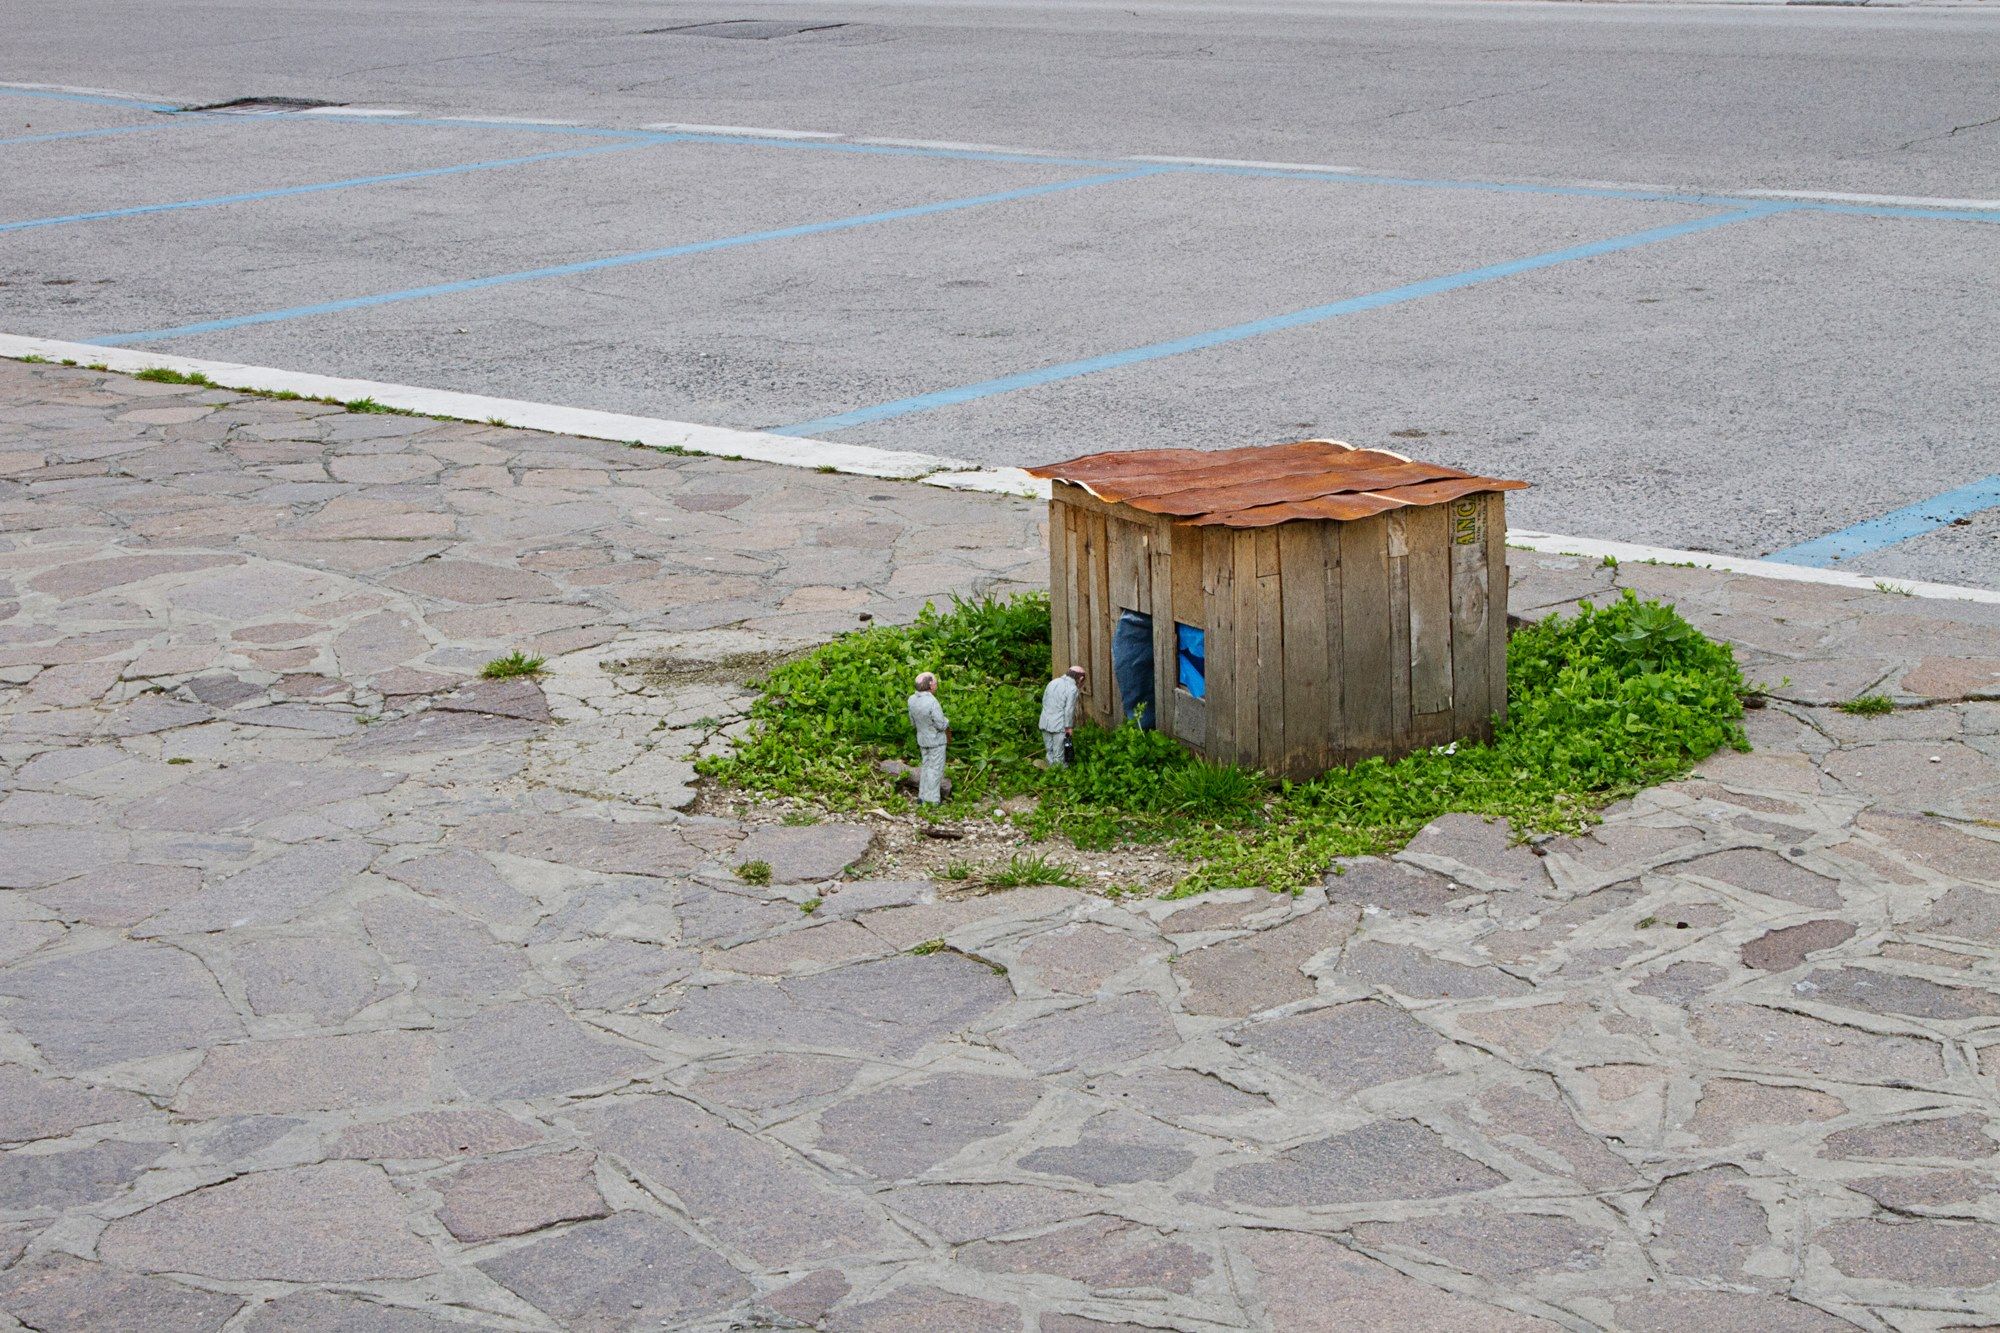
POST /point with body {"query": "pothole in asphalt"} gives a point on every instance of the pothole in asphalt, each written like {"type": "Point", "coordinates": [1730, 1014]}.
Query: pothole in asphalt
{"type": "Point", "coordinates": [263, 106]}
{"type": "Point", "coordinates": [744, 30]}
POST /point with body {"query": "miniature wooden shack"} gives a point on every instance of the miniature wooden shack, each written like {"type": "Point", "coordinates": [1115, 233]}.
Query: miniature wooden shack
{"type": "Point", "coordinates": [1297, 606]}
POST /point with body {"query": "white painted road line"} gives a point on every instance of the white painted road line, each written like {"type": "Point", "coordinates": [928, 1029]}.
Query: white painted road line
{"type": "Point", "coordinates": [949, 146]}
{"type": "Point", "coordinates": [822, 455]}
{"type": "Point", "coordinates": [1238, 162]}
{"type": "Point", "coordinates": [1893, 200]}
{"type": "Point", "coordinates": [355, 111]}
{"type": "Point", "coordinates": [747, 130]}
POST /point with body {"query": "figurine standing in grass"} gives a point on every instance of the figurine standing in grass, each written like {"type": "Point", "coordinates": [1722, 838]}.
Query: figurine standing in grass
{"type": "Point", "coordinates": [1058, 720]}
{"type": "Point", "coordinates": [933, 730]}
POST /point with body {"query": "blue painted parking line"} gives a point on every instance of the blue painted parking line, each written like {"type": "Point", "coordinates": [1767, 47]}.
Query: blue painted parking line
{"type": "Point", "coordinates": [86, 134]}
{"type": "Point", "coordinates": [93, 99]}
{"type": "Point", "coordinates": [620, 261]}
{"type": "Point", "coordinates": [320, 187]}
{"type": "Point", "coordinates": [1898, 525]}
{"type": "Point", "coordinates": [1068, 370]}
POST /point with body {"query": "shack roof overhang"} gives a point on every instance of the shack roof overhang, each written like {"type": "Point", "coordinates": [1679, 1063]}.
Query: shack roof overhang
{"type": "Point", "coordinates": [1267, 484]}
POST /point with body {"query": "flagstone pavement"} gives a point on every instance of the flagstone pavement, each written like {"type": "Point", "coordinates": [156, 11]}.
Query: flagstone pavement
{"type": "Point", "coordinates": [340, 989]}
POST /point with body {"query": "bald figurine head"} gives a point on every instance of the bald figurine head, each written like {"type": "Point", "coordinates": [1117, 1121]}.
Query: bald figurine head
{"type": "Point", "coordinates": [1076, 674]}
{"type": "Point", "coordinates": [926, 682]}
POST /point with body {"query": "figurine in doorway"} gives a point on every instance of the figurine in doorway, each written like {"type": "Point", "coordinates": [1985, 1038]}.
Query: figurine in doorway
{"type": "Point", "coordinates": [1058, 721]}
{"type": "Point", "coordinates": [933, 731]}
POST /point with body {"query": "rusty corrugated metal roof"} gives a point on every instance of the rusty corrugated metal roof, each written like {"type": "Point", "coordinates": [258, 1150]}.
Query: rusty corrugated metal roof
{"type": "Point", "coordinates": [1274, 483]}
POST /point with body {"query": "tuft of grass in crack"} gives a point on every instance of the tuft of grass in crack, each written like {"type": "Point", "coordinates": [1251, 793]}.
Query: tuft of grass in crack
{"type": "Point", "coordinates": [1601, 704]}
{"type": "Point", "coordinates": [1868, 705]}
{"type": "Point", "coordinates": [1024, 870]}
{"type": "Point", "coordinates": [516, 663]}
{"type": "Point", "coordinates": [927, 947]}
{"type": "Point", "coordinates": [32, 360]}
{"type": "Point", "coordinates": [754, 872]}
{"type": "Point", "coordinates": [810, 905]}
{"type": "Point", "coordinates": [162, 375]}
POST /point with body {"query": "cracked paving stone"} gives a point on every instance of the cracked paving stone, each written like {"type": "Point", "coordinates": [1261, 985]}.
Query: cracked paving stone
{"type": "Point", "coordinates": [435, 730]}
{"type": "Point", "coordinates": [1892, 993]}
{"type": "Point", "coordinates": [517, 697]}
{"type": "Point", "coordinates": [803, 855]}
{"type": "Point", "coordinates": [606, 847]}
{"type": "Point", "coordinates": [311, 1074]}
{"type": "Point", "coordinates": [1917, 1253]}
{"type": "Point", "coordinates": [1653, 1311]}
{"type": "Point", "coordinates": [772, 1082]}
{"type": "Point", "coordinates": [533, 1049]}
{"type": "Point", "coordinates": [619, 973]}
{"type": "Point", "coordinates": [121, 895]}
{"type": "Point", "coordinates": [1930, 1189]}
{"type": "Point", "coordinates": [339, 1222]}
{"type": "Point", "coordinates": [451, 956]}
{"type": "Point", "coordinates": [83, 1011]}
{"type": "Point", "coordinates": [1118, 1148]}
{"type": "Point", "coordinates": [1412, 972]}
{"type": "Point", "coordinates": [1095, 1035]}
{"type": "Point", "coordinates": [34, 857]}
{"type": "Point", "coordinates": [1494, 1244]}
{"type": "Point", "coordinates": [59, 1291]}
{"type": "Point", "coordinates": [1175, 1093]}
{"type": "Point", "coordinates": [1963, 913]}
{"type": "Point", "coordinates": [515, 1195]}
{"type": "Point", "coordinates": [895, 1133]}
{"type": "Point", "coordinates": [1783, 950]}
{"type": "Point", "coordinates": [1682, 982]}
{"type": "Point", "coordinates": [1767, 873]}
{"type": "Point", "coordinates": [894, 1007]}
{"type": "Point", "coordinates": [465, 881]}
{"type": "Point", "coordinates": [824, 945]}
{"type": "Point", "coordinates": [245, 794]}
{"type": "Point", "coordinates": [925, 1310]}
{"type": "Point", "coordinates": [629, 1270]}
{"type": "Point", "coordinates": [1393, 887]}
{"type": "Point", "coordinates": [442, 1135]}
{"type": "Point", "coordinates": [37, 1181]}
{"type": "Point", "coordinates": [744, 1190]}
{"type": "Point", "coordinates": [1079, 959]}
{"type": "Point", "coordinates": [1958, 1138]}
{"type": "Point", "coordinates": [1389, 1159]}
{"type": "Point", "coordinates": [1936, 845]}
{"type": "Point", "coordinates": [329, 977]}
{"type": "Point", "coordinates": [1798, 1044]}
{"type": "Point", "coordinates": [1730, 1106]}
{"type": "Point", "coordinates": [961, 1213]}
{"type": "Point", "coordinates": [269, 893]}
{"type": "Point", "coordinates": [1560, 1145]}
{"type": "Point", "coordinates": [1240, 977]}
{"type": "Point", "coordinates": [1102, 1253]}
{"type": "Point", "coordinates": [37, 1108]}
{"type": "Point", "coordinates": [1708, 1226]}
{"type": "Point", "coordinates": [806, 1301]}
{"type": "Point", "coordinates": [1345, 1047]}
{"type": "Point", "coordinates": [1478, 852]}
{"type": "Point", "coordinates": [319, 1312]}
{"type": "Point", "coordinates": [1311, 1284]}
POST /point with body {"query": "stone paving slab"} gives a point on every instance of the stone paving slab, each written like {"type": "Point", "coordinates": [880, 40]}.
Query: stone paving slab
{"type": "Point", "coordinates": [342, 989]}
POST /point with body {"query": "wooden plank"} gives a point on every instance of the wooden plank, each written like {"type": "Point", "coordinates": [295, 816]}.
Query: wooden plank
{"type": "Point", "coordinates": [1150, 542]}
{"type": "Point", "coordinates": [1496, 602]}
{"type": "Point", "coordinates": [1218, 578]}
{"type": "Point", "coordinates": [1059, 588]}
{"type": "Point", "coordinates": [1249, 680]}
{"type": "Point", "coordinates": [1081, 629]}
{"type": "Point", "coordinates": [1267, 551]}
{"type": "Point", "coordinates": [1123, 553]}
{"type": "Point", "coordinates": [1190, 605]}
{"type": "Point", "coordinates": [1366, 654]}
{"type": "Point", "coordinates": [1103, 616]}
{"type": "Point", "coordinates": [1429, 534]}
{"type": "Point", "coordinates": [1399, 633]}
{"type": "Point", "coordinates": [1302, 563]}
{"type": "Point", "coordinates": [1271, 702]}
{"type": "Point", "coordinates": [1333, 540]}
{"type": "Point", "coordinates": [1470, 660]}
{"type": "Point", "coordinates": [1159, 580]}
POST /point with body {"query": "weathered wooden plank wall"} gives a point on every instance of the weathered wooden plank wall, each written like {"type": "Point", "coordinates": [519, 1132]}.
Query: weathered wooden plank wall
{"type": "Point", "coordinates": [1471, 656]}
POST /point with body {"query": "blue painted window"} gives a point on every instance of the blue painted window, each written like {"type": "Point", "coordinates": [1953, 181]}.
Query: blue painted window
{"type": "Point", "coordinates": [1191, 659]}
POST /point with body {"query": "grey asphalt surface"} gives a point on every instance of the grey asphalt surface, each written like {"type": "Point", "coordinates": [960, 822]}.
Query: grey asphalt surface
{"type": "Point", "coordinates": [1738, 389]}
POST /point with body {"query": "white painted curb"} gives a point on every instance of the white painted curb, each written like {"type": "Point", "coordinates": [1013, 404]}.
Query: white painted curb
{"type": "Point", "coordinates": [821, 455]}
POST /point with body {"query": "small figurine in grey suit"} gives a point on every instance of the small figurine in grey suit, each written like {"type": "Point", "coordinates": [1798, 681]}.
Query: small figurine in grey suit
{"type": "Point", "coordinates": [933, 730]}
{"type": "Point", "coordinates": [1059, 715]}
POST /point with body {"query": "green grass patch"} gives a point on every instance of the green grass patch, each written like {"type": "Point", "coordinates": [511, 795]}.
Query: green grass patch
{"type": "Point", "coordinates": [516, 663]}
{"type": "Point", "coordinates": [162, 375]}
{"type": "Point", "coordinates": [1601, 704]}
{"type": "Point", "coordinates": [1868, 705]}
{"type": "Point", "coordinates": [754, 872]}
